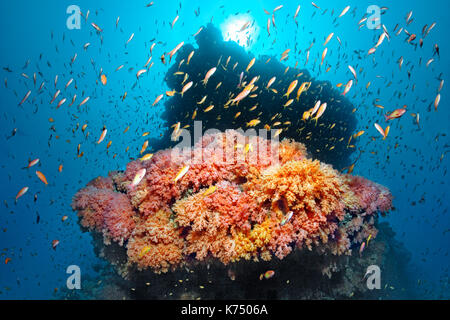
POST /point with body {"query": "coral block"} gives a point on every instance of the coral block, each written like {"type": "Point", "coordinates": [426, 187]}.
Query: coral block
{"type": "Point", "coordinates": [242, 197]}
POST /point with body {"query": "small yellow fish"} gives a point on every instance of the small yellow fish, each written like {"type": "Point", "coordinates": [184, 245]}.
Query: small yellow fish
{"type": "Point", "coordinates": [251, 63]}
{"type": "Point", "coordinates": [253, 123]}
{"type": "Point", "coordinates": [288, 103]}
{"type": "Point", "coordinates": [209, 108]}
{"type": "Point", "coordinates": [290, 88]}
{"type": "Point", "coordinates": [209, 191]}
{"type": "Point", "coordinates": [202, 100]}
{"type": "Point", "coordinates": [277, 133]}
{"type": "Point", "coordinates": [144, 147]}
{"type": "Point", "coordinates": [144, 251]}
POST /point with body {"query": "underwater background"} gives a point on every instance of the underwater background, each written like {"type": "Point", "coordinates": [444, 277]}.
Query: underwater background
{"type": "Point", "coordinates": [411, 162]}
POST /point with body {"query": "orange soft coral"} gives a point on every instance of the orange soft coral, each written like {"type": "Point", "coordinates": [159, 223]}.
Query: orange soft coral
{"type": "Point", "coordinates": [304, 186]}
{"type": "Point", "coordinates": [156, 243]}
{"type": "Point", "coordinates": [311, 190]}
{"type": "Point", "coordinates": [226, 207]}
{"type": "Point", "coordinates": [242, 197]}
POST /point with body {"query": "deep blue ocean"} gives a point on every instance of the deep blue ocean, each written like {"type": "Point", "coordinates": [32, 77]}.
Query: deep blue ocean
{"type": "Point", "coordinates": [412, 162]}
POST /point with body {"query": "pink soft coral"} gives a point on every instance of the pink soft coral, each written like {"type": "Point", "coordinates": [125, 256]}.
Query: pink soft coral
{"type": "Point", "coordinates": [242, 197]}
{"type": "Point", "coordinates": [106, 211]}
{"type": "Point", "coordinates": [371, 196]}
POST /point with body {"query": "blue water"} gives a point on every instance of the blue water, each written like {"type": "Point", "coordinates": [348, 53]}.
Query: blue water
{"type": "Point", "coordinates": [416, 169]}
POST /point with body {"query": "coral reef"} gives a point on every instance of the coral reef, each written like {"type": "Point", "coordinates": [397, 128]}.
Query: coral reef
{"type": "Point", "coordinates": [229, 199]}
{"type": "Point", "coordinates": [299, 276]}
{"type": "Point", "coordinates": [326, 142]}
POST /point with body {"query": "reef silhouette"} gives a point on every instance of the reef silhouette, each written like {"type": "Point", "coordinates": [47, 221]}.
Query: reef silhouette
{"type": "Point", "coordinates": [327, 140]}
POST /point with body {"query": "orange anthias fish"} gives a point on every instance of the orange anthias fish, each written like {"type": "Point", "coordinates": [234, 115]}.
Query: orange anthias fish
{"type": "Point", "coordinates": [61, 103]}
{"type": "Point", "coordinates": [251, 63]}
{"type": "Point", "coordinates": [436, 101]}
{"type": "Point", "coordinates": [55, 244]}
{"type": "Point", "coordinates": [344, 11]}
{"type": "Point", "coordinates": [172, 53]}
{"type": "Point", "coordinates": [102, 136]}
{"type": "Point", "coordinates": [271, 81]}
{"type": "Point", "coordinates": [291, 88]}
{"type": "Point", "coordinates": [186, 87]}
{"type": "Point", "coordinates": [41, 177]}
{"type": "Point", "coordinates": [181, 173]}
{"type": "Point", "coordinates": [361, 249]}
{"type": "Point", "coordinates": [96, 27]}
{"type": "Point", "coordinates": [84, 101]}
{"type": "Point", "coordinates": [321, 111]}
{"type": "Point", "coordinates": [324, 54]}
{"type": "Point", "coordinates": [328, 38]}
{"type": "Point", "coordinates": [347, 87]}
{"type": "Point", "coordinates": [25, 97]}
{"type": "Point", "coordinates": [138, 178]}
{"type": "Point", "coordinates": [174, 21]}
{"type": "Point", "coordinates": [157, 99]}
{"type": "Point", "coordinates": [380, 130]}
{"type": "Point", "coordinates": [138, 74]}
{"type": "Point", "coordinates": [244, 93]}
{"type": "Point", "coordinates": [146, 157]}
{"type": "Point", "coordinates": [103, 79]}
{"type": "Point", "coordinates": [21, 192]}
{"type": "Point", "coordinates": [208, 75]}
{"type": "Point", "coordinates": [395, 114]}
{"type": "Point", "coordinates": [32, 163]}
{"type": "Point", "coordinates": [144, 147]}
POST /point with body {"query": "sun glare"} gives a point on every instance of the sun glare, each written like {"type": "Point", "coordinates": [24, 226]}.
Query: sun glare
{"type": "Point", "coordinates": [241, 29]}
